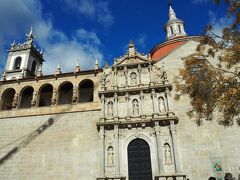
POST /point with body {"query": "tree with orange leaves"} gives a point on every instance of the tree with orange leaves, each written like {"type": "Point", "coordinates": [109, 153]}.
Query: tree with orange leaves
{"type": "Point", "coordinates": [211, 77]}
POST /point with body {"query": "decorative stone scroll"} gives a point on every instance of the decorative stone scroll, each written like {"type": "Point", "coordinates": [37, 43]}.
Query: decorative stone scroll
{"type": "Point", "coordinates": [157, 74]}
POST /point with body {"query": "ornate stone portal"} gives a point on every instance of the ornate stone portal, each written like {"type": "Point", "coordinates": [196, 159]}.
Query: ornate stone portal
{"type": "Point", "coordinates": [135, 104]}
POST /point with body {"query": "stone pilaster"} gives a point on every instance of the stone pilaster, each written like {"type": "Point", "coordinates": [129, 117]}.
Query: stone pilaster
{"type": "Point", "coordinates": [115, 109]}
{"type": "Point", "coordinates": [175, 146]}
{"type": "Point", "coordinates": [103, 105]}
{"type": "Point", "coordinates": [159, 148]}
{"type": "Point", "coordinates": [139, 72]}
{"type": "Point", "coordinates": [126, 75]}
{"type": "Point", "coordinates": [153, 94]}
{"type": "Point", "coordinates": [127, 104]}
{"type": "Point", "coordinates": [102, 150]}
{"type": "Point", "coordinates": [141, 103]}
{"type": "Point", "coordinates": [116, 145]}
{"type": "Point", "coordinates": [168, 100]}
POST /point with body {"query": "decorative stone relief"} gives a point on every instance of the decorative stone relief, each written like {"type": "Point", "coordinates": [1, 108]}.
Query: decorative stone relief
{"type": "Point", "coordinates": [167, 154]}
{"type": "Point", "coordinates": [157, 74]}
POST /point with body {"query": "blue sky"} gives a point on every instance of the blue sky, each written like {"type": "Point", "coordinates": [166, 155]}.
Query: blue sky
{"type": "Point", "coordinates": [68, 30]}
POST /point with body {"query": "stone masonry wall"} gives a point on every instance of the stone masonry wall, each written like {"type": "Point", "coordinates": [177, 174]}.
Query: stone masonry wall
{"type": "Point", "coordinates": [63, 146]}
{"type": "Point", "coordinates": [201, 147]}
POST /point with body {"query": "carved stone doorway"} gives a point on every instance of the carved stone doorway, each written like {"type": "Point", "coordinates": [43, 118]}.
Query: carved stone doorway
{"type": "Point", "coordinates": [139, 160]}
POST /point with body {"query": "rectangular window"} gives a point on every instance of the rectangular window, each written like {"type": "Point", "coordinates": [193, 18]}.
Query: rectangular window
{"type": "Point", "coordinates": [171, 29]}
{"type": "Point", "coordinates": [179, 28]}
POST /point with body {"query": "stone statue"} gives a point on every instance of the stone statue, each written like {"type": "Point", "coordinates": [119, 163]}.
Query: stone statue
{"type": "Point", "coordinates": [133, 78]}
{"type": "Point", "coordinates": [110, 156]}
{"type": "Point", "coordinates": [110, 108]}
{"type": "Point", "coordinates": [161, 105]}
{"type": "Point", "coordinates": [135, 107]}
{"type": "Point", "coordinates": [167, 154]}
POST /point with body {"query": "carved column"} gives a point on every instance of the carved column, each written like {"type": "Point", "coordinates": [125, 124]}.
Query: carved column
{"type": "Point", "coordinates": [153, 93]}
{"type": "Point", "coordinates": [75, 95]}
{"type": "Point", "coordinates": [159, 148]}
{"type": "Point", "coordinates": [115, 111]}
{"type": "Point", "coordinates": [116, 143]}
{"type": "Point", "coordinates": [103, 105]}
{"type": "Point", "coordinates": [127, 101]}
{"type": "Point", "coordinates": [141, 103]}
{"type": "Point", "coordinates": [102, 150]}
{"type": "Point", "coordinates": [175, 146]}
{"type": "Point", "coordinates": [115, 78]}
{"type": "Point", "coordinates": [34, 99]}
{"type": "Point", "coordinates": [54, 99]}
{"type": "Point", "coordinates": [15, 101]}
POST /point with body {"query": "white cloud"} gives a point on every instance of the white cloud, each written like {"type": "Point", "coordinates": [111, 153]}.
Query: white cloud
{"type": "Point", "coordinates": [94, 9]}
{"type": "Point", "coordinates": [141, 40]}
{"type": "Point", "coordinates": [219, 23]}
{"type": "Point", "coordinates": [59, 47]}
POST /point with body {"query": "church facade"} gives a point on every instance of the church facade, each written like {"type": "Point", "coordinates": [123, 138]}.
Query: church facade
{"type": "Point", "coordinates": [120, 122]}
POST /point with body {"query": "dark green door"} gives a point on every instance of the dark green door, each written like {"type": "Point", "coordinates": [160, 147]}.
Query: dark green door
{"type": "Point", "coordinates": [139, 160]}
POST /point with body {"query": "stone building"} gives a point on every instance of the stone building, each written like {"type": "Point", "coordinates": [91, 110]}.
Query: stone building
{"type": "Point", "coordinates": [116, 123]}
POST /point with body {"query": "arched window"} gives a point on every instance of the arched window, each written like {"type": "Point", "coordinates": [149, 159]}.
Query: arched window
{"type": "Point", "coordinates": [7, 99]}
{"type": "Point", "coordinates": [86, 91]}
{"type": "Point", "coordinates": [33, 68]}
{"type": "Point", "coordinates": [17, 63]}
{"type": "Point", "coordinates": [65, 93]}
{"type": "Point", "coordinates": [46, 95]}
{"type": "Point", "coordinates": [26, 97]}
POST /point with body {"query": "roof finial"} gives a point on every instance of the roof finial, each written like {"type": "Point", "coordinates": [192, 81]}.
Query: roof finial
{"type": "Point", "coordinates": [96, 66]}
{"type": "Point", "coordinates": [58, 71]}
{"type": "Point", "coordinates": [30, 36]}
{"type": "Point", "coordinates": [77, 69]}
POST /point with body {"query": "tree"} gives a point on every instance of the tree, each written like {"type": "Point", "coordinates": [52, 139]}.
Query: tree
{"type": "Point", "coordinates": [211, 77]}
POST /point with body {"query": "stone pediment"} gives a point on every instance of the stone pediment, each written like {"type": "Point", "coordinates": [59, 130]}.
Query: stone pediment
{"type": "Point", "coordinates": [132, 57]}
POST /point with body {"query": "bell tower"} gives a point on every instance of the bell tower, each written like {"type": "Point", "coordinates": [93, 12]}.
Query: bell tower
{"type": "Point", "coordinates": [174, 27]}
{"type": "Point", "coordinates": [23, 60]}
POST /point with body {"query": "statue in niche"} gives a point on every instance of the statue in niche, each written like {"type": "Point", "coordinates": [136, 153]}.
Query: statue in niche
{"type": "Point", "coordinates": [167, 154]}
{"type": "Point", "coordinates": [110, 156]}
{"type": "Point", "coordinates": [135, 107]}
{"type": "Point", "coordinates": [110, 108]}
{"type": "Point", "coordinates": [133, 78]}
{"type": "Point", "coordinates": [161, 105]}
